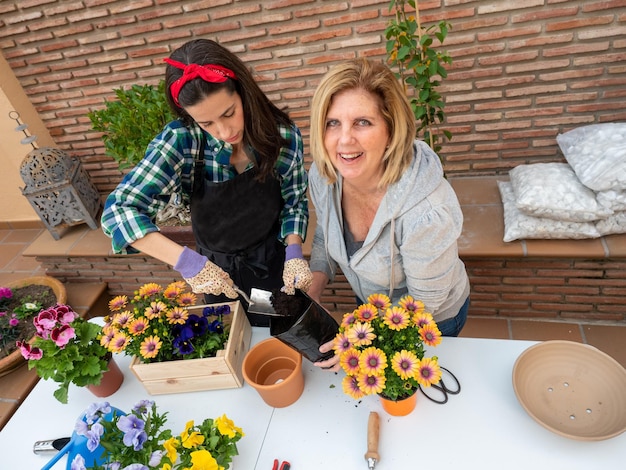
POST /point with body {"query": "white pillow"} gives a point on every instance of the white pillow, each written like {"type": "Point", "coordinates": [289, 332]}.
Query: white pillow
{"type": "Point", "coordinates": [612, 199]}
{"type": "Point", "coordinates": [552, 190]}
{"type": "Point", "coordinates": [613, 224]}
{"type": "Point", "coordinates": [597, 153]}
{"type": "Point", "coordinates": [518, 226]}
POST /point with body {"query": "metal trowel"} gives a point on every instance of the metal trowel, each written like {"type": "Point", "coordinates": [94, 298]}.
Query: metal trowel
{"type": "Point", "coordinates": [259, 301]}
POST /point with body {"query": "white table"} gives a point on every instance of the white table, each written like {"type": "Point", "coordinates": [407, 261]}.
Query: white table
{"type": "Point", "coordinates": [483, 427]}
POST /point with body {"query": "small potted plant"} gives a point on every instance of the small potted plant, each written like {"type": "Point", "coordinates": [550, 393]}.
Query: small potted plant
{"type": "Point", "coordinates": [382, 347]}
{"type": "Point", "coordinates": [114, 439]}
{"type": "Point", "coordinates": [160, 325]}
{"type": "Point", "coordinates": [20, 301]}
{"type": "Point", "coordinates": [67, 349]}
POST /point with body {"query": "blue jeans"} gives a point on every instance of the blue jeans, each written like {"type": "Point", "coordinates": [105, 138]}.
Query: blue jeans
{"type": "Point", "coordinates": [453, 326]}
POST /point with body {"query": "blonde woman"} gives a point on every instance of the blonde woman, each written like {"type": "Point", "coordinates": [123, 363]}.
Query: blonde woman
{"type": "Point", "coordinates": [385, 213]}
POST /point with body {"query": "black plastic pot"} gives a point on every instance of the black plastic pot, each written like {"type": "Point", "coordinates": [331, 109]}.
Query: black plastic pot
{"type": "Point", "coordinates": [307, 330]}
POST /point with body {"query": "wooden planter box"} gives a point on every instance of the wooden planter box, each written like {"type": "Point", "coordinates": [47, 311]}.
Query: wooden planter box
{"type": "Point", "coordinates": [211, 373]}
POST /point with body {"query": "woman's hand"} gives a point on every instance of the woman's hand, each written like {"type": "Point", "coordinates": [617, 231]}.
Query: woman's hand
{"type": "Point", "coordinates": [329, 364]}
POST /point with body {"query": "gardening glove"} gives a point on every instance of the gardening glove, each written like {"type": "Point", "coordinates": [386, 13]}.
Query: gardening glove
{"type": "Point", "coordinates": [296, 273]}
{"type": "Point", "coordinates": [203, 276]}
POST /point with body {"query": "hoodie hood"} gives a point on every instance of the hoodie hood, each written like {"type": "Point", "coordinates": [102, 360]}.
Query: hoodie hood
{"type": "Point", "coordinates": [410, 245]}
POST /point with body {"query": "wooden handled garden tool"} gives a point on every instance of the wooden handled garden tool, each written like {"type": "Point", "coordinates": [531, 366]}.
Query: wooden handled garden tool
{"type": "Point", "coordinates": [373, 431]}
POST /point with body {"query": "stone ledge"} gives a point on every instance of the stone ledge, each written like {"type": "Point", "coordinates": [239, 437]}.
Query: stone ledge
{"type": "Point", "coordinates": [483, 230]}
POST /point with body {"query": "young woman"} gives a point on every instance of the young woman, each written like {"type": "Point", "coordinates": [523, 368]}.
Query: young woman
{"type": "Point", "coordinates": [238, 159]}
{"type": "Point", "coordinates": [385, 213]}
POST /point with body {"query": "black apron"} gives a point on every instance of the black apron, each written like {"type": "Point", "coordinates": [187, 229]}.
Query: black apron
{"type": "Point", "coordinates": [236, 225]}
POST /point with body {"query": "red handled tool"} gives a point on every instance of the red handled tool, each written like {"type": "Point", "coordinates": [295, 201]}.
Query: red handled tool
{"type": "Point", "coordinates": [283, 466]}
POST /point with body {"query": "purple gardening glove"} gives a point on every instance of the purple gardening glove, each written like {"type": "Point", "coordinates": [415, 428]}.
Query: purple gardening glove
{"type": "Point", "coordinates": [296, 273]}
{"type": "Point", "coordinates": [203, 276]}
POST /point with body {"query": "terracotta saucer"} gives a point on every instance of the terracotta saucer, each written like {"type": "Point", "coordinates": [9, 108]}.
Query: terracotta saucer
{"type": "Point", "coordinates": [572, 389]}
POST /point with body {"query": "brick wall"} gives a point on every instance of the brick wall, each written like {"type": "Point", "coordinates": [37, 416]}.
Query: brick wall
{"type": "Point", "coordinates": [523, 70]}
{"type": "Point", "coordinates": [545, 288]}
{"type": "Point", "coordinates": [548, 288]}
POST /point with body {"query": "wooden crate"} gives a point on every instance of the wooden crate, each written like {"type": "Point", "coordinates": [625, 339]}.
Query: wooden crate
{"type": "Point", "coordinates": [211, 373]}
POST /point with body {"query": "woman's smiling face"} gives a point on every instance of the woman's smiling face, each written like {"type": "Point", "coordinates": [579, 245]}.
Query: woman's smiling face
{"type": "Point", "coordinates": [356, 136]}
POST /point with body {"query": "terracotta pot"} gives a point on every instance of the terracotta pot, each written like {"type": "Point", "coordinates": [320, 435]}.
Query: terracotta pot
{"type": "Point", "coordinates": [111, 381]}
{"type": "Point", "coordinates": [14, 360]}
{"type": "Point", "coordinates": [275, 371]}
{"type": "Point", "coordinates": [400, 407]}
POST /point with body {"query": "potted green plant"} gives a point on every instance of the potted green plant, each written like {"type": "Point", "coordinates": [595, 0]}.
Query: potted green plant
{"type": "Point", "coordinates": [382, 349]}
{"type": "Point", "coordinates": [108, 438]}
{"type": "Point", "coordinates": [128, 124]}
{"type": "Point", "coordinates": [67, 349]}
{"type": "Point", "coordinates": [20, 301]}
{"type": "Point", "coordinates": [162, 326]}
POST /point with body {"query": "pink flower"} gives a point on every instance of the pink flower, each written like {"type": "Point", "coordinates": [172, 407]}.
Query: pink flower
{"type": "Point", "coordinates": [5, 293]}
{"type": "Point", "coordinates": [62, 335]}
{"type": "Point", "coordinates": [45, 322]}
{"type": "Point", "coordinates": [65, 315]}
{"type": "Point", "coordinates": [29, 352]}
{"type": "Point", "coordinates": [14, 321]}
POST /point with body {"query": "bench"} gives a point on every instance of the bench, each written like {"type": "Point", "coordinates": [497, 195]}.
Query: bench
{"type": "Point", "coordinates": [548, 279]}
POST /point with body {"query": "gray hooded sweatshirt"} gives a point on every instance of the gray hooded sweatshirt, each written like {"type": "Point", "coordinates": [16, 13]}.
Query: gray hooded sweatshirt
{"type": "Point", "coordinates": [411, 246]}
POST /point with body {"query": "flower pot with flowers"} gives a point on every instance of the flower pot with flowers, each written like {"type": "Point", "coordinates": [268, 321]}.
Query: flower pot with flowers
{"type": "Point", "coordinates": [176, 345]}
{"type": "Point", "coordinates": [20, 301]}
{"type": "Point", "coordinates": [107, 438]}
{"type": "Point", "coordinates": [67, 349]}
{"type": "Point", "coordinates": [382, 347]}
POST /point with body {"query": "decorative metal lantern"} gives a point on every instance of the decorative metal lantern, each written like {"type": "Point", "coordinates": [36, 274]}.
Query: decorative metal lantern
{"type": "Point", "coordinates": [59, 189]}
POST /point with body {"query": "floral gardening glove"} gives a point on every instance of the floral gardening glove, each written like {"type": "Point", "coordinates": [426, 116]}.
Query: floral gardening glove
{"type": "Point", "coordinates": [203, 276]}
{"type": "Point", "coordinates": [296, 273]}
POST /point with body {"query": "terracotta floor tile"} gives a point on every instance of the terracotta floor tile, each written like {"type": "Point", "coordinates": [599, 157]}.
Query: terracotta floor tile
{"type": "Point", "coordinates": [544, 331]}
{"type": "Point", "coordinates": [477, 327]}
{"type": "Point", "coordinates": [7, 255]}
{"type": "Point", "coordinates": [5, 233]}
{"type": "Point", "coordinates": [609, 339]}
{"type": "Point", "coordinates": [25, 264]}
{"type": "Point", "coordinates": [22, 236]}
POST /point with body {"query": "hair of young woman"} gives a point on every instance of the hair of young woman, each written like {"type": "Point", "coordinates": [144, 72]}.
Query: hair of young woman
{"type": "Point", "coordinates": [261, 116]}
{"type": "Point", "coordinates": [377, 79]}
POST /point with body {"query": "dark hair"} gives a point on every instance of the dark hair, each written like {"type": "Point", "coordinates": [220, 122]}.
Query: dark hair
{"type": "Point", "coordinates": [257, 108]}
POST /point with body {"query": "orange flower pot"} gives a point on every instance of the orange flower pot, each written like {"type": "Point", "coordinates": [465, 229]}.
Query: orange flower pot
{"type": "Point", "coordinates": [400, 407]}
{"type": "Point", "coordinates": [111, 381]}
{"type": "Point", "coordinates": [275, 371]}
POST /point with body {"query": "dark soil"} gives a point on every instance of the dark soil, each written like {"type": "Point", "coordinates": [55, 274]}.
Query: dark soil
{"type": "Point", "coordinates": [31, 293]}
{"type": "Point", "coordinates": [288, 305]}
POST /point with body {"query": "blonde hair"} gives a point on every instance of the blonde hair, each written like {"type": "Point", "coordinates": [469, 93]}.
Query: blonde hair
{"type": "Point", "coordinates": [377, 79]}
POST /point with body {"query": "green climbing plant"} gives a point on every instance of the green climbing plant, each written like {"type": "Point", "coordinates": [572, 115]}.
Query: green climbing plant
{"type": "Point", "coordinates": [420, 67]}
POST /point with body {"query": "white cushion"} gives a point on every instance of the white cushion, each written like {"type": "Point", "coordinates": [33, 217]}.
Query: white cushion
{"type": "Point", "coordinates": [519, 226]}
{"type": "Point", "coordinates": [597, 153]}
{"type": "Point", "coordinates": [552, 190]}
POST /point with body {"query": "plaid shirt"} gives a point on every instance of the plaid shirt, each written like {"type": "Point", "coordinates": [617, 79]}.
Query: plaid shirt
{"type": "Point", "coordinates": [167, 168]}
